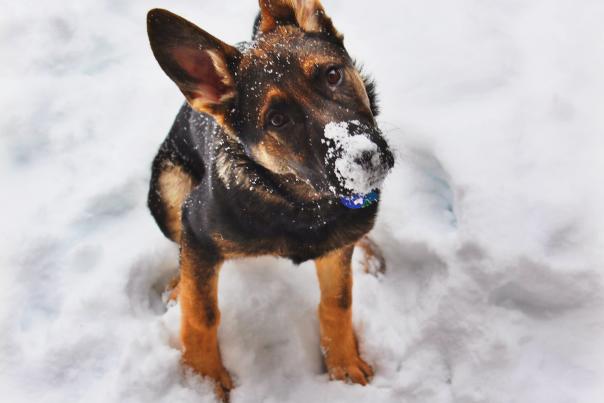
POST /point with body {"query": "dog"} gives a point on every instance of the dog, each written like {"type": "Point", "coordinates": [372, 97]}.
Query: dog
{"type": "Point", "coordinates": [275, 152]}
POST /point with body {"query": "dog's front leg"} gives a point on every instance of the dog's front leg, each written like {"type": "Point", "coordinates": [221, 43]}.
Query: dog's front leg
{"type": "Point", "coordinates": [198, 296]}
{"type": "Point", "coordinates": [338, 340]}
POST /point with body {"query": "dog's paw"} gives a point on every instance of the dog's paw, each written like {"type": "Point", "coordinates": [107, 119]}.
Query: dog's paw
{"type": "Point", "coordinates": [373, 261]}
{"type": "Point", "coordinates": [355, 370]}
{"type": "Point", "coordinates": [222, 385]}
{"type": "Point", "coordinates": [208, 365]}
{"type": "Point", "coordinates": [221, 379]}
{"type": "Point", "coordinates": [170, 294]}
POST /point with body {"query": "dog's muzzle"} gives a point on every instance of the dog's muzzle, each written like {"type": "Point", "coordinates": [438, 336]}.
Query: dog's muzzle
{"type": "Point", "coordinates": [359, 159]}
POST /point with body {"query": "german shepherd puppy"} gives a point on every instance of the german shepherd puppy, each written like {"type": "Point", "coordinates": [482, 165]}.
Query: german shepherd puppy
{"type": "Point", "coordinates": [276, 152]}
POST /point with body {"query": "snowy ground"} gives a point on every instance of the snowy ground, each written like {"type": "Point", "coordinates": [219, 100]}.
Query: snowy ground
{"type": "Point", "coordinates": [492, 222]}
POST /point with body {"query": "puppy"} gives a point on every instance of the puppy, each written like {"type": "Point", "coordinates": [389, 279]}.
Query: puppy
{"type": "Point", "coordinates": [276, 152]}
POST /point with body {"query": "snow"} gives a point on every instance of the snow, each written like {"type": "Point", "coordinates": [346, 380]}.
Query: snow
{"type": "Point", "coordinates": [491, 222]}
{"type": "Point", "coordinates": [344, 149]}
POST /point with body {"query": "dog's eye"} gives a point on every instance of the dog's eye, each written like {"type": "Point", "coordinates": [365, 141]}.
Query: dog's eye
{"type": "Point", "coordinates": [334, 76]}
{"type": "Point", "coordinates": [277, 119]}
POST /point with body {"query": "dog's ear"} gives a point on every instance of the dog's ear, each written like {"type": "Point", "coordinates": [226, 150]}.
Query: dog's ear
{"type": "Point", "coordinates": [306, 14]}
{"type": "Point", "coordinates": [197, 62]}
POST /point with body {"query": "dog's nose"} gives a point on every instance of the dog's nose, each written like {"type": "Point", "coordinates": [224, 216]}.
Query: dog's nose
{"type": "Point", "coordinates": [366, 159]}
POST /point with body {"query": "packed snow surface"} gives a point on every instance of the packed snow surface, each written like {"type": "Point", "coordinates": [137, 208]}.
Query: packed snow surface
{"type": "Point", "coordinates": [345, 149]}
{"type": "Point", "coordinates": [492, 221]}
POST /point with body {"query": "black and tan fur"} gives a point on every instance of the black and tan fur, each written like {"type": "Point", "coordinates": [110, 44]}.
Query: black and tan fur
{"type": "Point", "coordinates": [227, 182]}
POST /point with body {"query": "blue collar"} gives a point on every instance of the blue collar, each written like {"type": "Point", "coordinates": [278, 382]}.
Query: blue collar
{"type": "Point", "coordinates": [356, 201]}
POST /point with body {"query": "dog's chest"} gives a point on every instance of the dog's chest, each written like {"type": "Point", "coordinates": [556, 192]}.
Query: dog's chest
{"type": "Point", "coordinates": [266, 235]}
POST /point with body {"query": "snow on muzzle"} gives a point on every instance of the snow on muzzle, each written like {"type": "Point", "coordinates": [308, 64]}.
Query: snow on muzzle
{"type": "Point", "coordinates": [357, 157]}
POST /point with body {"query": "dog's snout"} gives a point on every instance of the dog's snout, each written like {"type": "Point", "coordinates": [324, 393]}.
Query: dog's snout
{"type": "Point", "coordinates": [366, 159]}
{"type": "Point", "coordinates": [388, 158]}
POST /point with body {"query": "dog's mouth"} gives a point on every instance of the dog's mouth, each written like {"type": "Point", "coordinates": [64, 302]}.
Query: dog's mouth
{"type": "Point", "coordinates": [357, 161]}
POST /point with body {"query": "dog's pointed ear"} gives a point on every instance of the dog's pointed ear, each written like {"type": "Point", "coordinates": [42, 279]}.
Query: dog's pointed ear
{"type": "Point", "coordinates": [309, 15]}
{"type": "Point", "coordinates": [197, 62]}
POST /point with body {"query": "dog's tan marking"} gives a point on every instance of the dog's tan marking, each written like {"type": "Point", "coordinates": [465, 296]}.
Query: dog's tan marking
{"type": "Point", "coordinates": [174, 186]}
{"type": "Point", "coordinates": [338, 340]}
{"type": "Point", "coordinates": [234, 250]}
{"type": "Point", "coordinates": [359, 87]}
{"type": "Point", "coordinates": [310, 62]}
{"type": "Point", "coordinates": [276, 156]}
{"type": "Point", "coordinates": [229, 249]}
{"type": "Point", "coordinates": [198, 296]}
{"type": "Point", "coordinates": [272, 94]}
